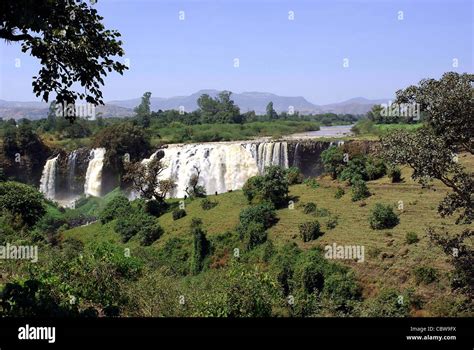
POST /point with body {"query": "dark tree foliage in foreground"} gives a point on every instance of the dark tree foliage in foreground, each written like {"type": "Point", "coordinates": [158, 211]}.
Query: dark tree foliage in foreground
{"type": "Point", "coordinates": [71, 43]}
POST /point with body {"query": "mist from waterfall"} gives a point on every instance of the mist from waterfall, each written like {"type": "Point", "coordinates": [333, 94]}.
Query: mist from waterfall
{"type": "Point", "coordinates": [93, 183]}
{"type": "Point", "coordinates": [48, 178]}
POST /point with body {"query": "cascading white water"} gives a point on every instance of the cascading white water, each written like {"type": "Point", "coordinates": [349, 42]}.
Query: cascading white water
{"type": "Point", "coordinates": [93, 183]}
{"type": "Point", "coordinates": [269, 153]}
{"type": "Point", "coordinates": [223, 167]}
{"type": "Point", "coordinates": [71, 168]}
{"type": "Point", "coordinates": [48, 178]}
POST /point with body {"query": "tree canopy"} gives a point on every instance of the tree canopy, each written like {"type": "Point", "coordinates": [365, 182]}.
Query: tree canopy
{"type": "Point", "coordinates": [71, 43]}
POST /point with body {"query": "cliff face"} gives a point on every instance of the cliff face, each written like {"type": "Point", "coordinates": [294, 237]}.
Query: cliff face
{"type": "Point", "coordinates": [306, 154]}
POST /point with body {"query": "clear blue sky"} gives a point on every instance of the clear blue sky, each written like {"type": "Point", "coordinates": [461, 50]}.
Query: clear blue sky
{"type": "Point", "coordinates": [303, 57]}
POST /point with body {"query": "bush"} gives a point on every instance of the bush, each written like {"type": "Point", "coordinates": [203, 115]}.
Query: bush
{"type": "Point", "coordinates": [150, 233]}
{"type": "Point", "coordinates": [333, 161]}
{"type": "Point", "coordinates": [293, 176]}
{"type": "Point", "coordinates": [178, 214]}
{"type": "Point", "coordinates": [138, 224]}
{"type": "Point", "coordinates": [395, 173]}
{"type": "Point", "coordinates": [117, 207]}
{"type": "Point", "coordinates": [411, 238]}
{"type": "Point", "coordinates": [389, 303]}
{"type": "Point", "coordinates": [309, 208]}
{"type": "Point", "coordinates": [309, 272]}
{"type": "Point", "coordinates": [201, 246]}
{"type": "Point", "coordinates": [359, 190]}
{"type": "Point", "coordinates": [156, 208]}
{"type": "Point", "coordinates": [354, 170]}
{"type": "Point", "coordinates": [271, 187]}
{"type": "Point", "coordinates": [310, 230]}
{"type": "Point", "coordinates": [383, 216]}
{"type": "Point", "coordinates": [22, 201]}
{"type": "Point", "coordinates": [254, 234]}
{"type": "Point", "coordinates": [332, 222]}
{"type": "Point", "coordinates": [375, 168]}
{"type": "Point", "coordinates": [339, 193]}
{"type": "Point", "coordinates": [263, 214]}
{"type": "Point", "coordinates": [207, 204]}
{"type": "Point", "coordinates": [425, 275]}
{"type": "Point", "coordinates": [311, 183]}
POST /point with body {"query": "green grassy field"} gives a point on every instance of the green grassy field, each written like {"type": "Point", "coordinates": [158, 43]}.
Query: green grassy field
{"type": "Point", "coordinates": [389, 260]}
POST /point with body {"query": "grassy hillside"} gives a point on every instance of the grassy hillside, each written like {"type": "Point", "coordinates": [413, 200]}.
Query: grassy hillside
{"type": "Point", "coordinates": [389, 260]}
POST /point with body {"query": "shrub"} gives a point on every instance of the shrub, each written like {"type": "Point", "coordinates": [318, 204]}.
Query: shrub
{"type": "Point", "coordinates": [156, 208]}
{"type": "Point", "coordinates": [293, 176]}
{"type": "Point", "coordinates": [22, 200]}
{"type": "Point", "coordinates": [359, 190]}
{"type": "Point", "coordinates": [311, 183]}
{"type": "Point", "coordinates": [178, 214]}
{"type": "Point", "coordinates": [332, 222]}
{"type": "Point", "coordinates": [333, 161]}
{"type": "Point", "coordinates": [309, 272]}
{"type": "Point", "coordinates": [200, 246]}
{"type": "Point", "coordinates": [341, 288]}
{"type": "Point", "coordinates": [389, 303]}
{"type": "Point", "coordinates": [395, 173]}
{"type": "Point", "coordinates": [339, 193]}
{"type": "Point", "coordinates": [411, 238]}
{"type": "Point", "coordinates": [254, 234]}
{"type": "Point", "coordinates": [138, 224]}
{"type": "Point", "coordinates": [310, 230]}
{"type": "Point", "coordinates": [425, 275]}
{"type": "Point", "coordinates": [375, 168]}
{"type": "Point", "coordinates": [117, 207]}
{"type": "Point", "coordinates": [383, 216]}
{"type": "Point", "coordinates": [354, 170]}
{"type": "Point", "coordinates": [150, 233]}
{"type": "Point", "coordinates": [271, 187]}
{"type": "Point", "coordinates": [207, 204]}
{"type": "Point", "coordinates": [262, 214]}
{"type": "Point", "coordinates": [309, 208]}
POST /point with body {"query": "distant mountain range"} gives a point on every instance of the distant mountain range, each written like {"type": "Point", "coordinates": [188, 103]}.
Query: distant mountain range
{"type": "Point", "coordinates": [247, 101]}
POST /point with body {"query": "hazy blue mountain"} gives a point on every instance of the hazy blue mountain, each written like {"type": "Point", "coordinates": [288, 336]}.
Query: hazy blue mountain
{"type": "Point", "coordinates": [247, 101]}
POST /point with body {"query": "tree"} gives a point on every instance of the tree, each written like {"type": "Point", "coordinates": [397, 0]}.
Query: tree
{"type": "Point", "coordinates": [200, 246]}
{"type": "Point", "coordinates": [449, 107]}
{"type": "Point", "coordinates": [70, 41]}
{"type": "Point", "coordinates": [219, 110]}
{"type": "Point", "coordinates": [431, 150]}
{"type": "Point", "coordinates": [145, 179]}
{"type": "Point", "coordinates": [194, 189]}
{"type": "Point", "coordinates": [271, 113]}
{"type": "Point", "coordinates": [23, 201]}
{"type": "Point", "coordinates": [271, 187]}
{"type": "Point", "coordinates": [122, 139]}
{"type": "Point", "coordinates": [431, 158]}
{"type": "Point", "coordinates": [333, 161]}
{"type": "Point", "coordinates": [143, 112]}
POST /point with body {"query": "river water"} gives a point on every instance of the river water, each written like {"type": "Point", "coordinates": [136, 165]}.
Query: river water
{"type": "Point", "coordinates": [325, 131]}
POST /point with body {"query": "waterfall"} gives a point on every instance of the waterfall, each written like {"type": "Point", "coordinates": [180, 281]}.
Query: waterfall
{"type": "Point", "coordinates": [93, 184]}
{"type": "Point", "coordinates": [48, 178]}
{"type": "Point", "coordinates": [269, 153]}
{"type": "Point", "coordinates": [71, 168]}
{"type": "Point", "coordinates": [297, 156]}
{"type": "Point", "coordinates": [223, 166]}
